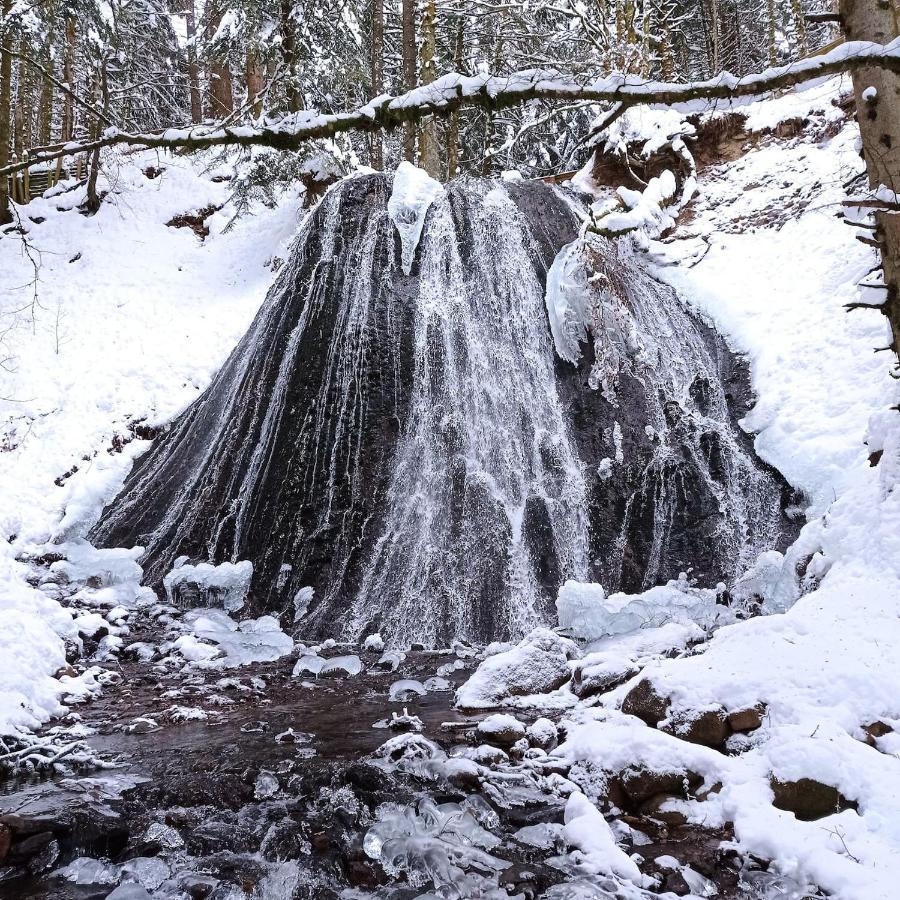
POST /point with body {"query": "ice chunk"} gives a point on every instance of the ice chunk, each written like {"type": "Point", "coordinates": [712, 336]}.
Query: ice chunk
{"type": "Point", "coordinates": [308, 663]}
{"type": "Point", "coordinates": [405, 689]}
{"type": "Point", "coordinates": [225, 585]}
{"type": "Point", "coordinates": [85, 870]}
{"type": "Point", "coordinates": [302, 599]}
{"type": "Point", "coordinates": [588, 613]}
{"type": "Point", "coordinates": [266, 786]}
{"type": "Point", "coordinates": [414, 191]}
{"type": "Point", "coordinates": [253, 640]}
{"type": "Point", "coordinates": [350, 664]}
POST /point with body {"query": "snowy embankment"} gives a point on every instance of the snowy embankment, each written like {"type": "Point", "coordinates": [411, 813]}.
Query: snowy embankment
{"type": "Point", "coordinates": [105, 322]}
{"type": "Point", "coordinates": [786, 725]}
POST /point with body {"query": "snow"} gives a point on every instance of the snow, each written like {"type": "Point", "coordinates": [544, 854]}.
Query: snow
{"type": "Point", "coordinates": [413, 192]}
{"type": "Point", "coordinates": [374, 642]}
{"type": "Point", "coordinates": [128, 320]}
{"type": "Point", "coordinates": [589, 832]}
{"type": "Point", "coordinates": [32, 626]}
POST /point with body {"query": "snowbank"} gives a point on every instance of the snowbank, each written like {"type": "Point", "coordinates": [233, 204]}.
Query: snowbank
{"type": "Point", "coordinates": [32, 628]}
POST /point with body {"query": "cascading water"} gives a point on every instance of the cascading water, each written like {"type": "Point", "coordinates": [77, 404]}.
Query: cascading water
{"type": "Point", "coordinates": [403, 448]}
{"type": "Point", "coordinates": [485, 466]}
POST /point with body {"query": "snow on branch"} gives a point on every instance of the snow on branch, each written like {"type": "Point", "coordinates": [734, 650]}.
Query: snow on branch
{"type": "Point", "coordinates": [454, 91]}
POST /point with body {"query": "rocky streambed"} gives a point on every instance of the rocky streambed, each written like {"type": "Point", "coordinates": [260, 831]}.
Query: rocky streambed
{"type": "Point", "coordinates": [257, 782]}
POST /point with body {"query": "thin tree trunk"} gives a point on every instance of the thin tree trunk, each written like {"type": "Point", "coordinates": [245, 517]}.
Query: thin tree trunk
{"type": "Point", "coordinates": [428, 139]}
{"type": "Point", "coordinates": [68, 120]}
{"type": "Point", "coordinates": [877, 94]}
{"type": "Point", "coordinates": [770, 33]}
{"type": "Point", "coordinates": [193, 66]}
{"type": "Point", "coordinates": [24, 104]}
{"type": "Point", "coordinates": [377, 87]}
{"type": "Point", "coordinates": [45, 105]}
{"type": "Point", "coordinates": [452, 132]}
{"type": "Point", "coordinates": [101, 100]}
{"type": "Point", "coordinates": [5, 99]}
{"type": "Point", "coordinates": [800, 26]}
{"type": "Point", "coordinates": [408, 41]}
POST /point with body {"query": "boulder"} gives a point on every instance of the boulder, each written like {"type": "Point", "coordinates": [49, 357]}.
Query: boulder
{"type": "Point", "coordinates": [875, 730]}
{"type": "Point", "coordinates": [809, 799]}
{"type": "Point", "coordinates": [644, 701]}
{"type": "Point", "coordinates": [542, 734]}
{"type": "Point", "coordinates": [640, 784]}
{"type": "Point", "coordinates": [708, 727]}
{"type": "Point", "coordinates": [747, 719]}
{"type": "Point", "coordinates": [590, 680]}
{"type": "Point", "coordinates": [537, 665]}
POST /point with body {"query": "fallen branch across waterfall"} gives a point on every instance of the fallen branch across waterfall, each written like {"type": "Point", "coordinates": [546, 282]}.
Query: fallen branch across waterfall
{"type": "Point", "coordinates": [454, 91]}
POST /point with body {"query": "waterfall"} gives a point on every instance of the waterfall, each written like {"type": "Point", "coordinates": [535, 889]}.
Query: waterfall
{"type": "Point", "coordinates": [485, 461]}
{"type": "Point", "coordinates": [397, 444]}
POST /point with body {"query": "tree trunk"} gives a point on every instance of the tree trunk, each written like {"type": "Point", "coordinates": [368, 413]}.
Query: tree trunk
{"type": "Point", "coordinates": [68, 120]}
{"type": "Point", "coordinates": [771, 32]}
{"type": "Point", "coordinates": [5, 98]}
{"type": "Point", "coordinates": [452, 131]}
{"type": "Point", "coordinates": [410, 59]}
{"type": "Point", "coordinates": [253, 72]}
{"type": "Point", "coordinates": [429, 155]}
{"type": "Point", "coordinates": [293, 100]}
{"type": "Point", "coordinates": [101, 100]}
{"type": "Point", "coordinates": [879, 127]}
{"type": "Point", "coordinates": [800, 27]}
{"type": "Point", "coordinates": [377, 87]}
{"type": "Point", "coordinates": [24, 105]}
{"type": "Point", "coordinates": [220, 100]}
{"type": "Point", "coordinates": [193, 66]}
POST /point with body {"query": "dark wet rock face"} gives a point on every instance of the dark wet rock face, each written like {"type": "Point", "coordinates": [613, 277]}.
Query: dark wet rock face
{"type": "Point", "coordinates": [412, 448]}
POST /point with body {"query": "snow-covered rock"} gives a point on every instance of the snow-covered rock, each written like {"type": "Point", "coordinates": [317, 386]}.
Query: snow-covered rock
{"type": "Point", "coordinates": [539, 663]}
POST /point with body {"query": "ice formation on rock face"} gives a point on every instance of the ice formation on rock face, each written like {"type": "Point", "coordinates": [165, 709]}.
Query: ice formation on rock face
{"type": "Point", "coordinates": [414, 192]}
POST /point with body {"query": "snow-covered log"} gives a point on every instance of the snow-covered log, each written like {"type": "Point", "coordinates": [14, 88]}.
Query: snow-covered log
{"type": "Point", "coordinates": [454, 91]}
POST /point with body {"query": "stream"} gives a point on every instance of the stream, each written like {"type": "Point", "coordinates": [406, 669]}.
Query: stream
{"type": "Point", "coordinates": [286, 790]}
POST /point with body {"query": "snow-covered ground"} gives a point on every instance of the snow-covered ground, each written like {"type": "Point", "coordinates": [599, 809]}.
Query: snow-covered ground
{"type": "Point", "coordinates": [131, 318]}
{"type": "Point", "coordinates": [105, 320]}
